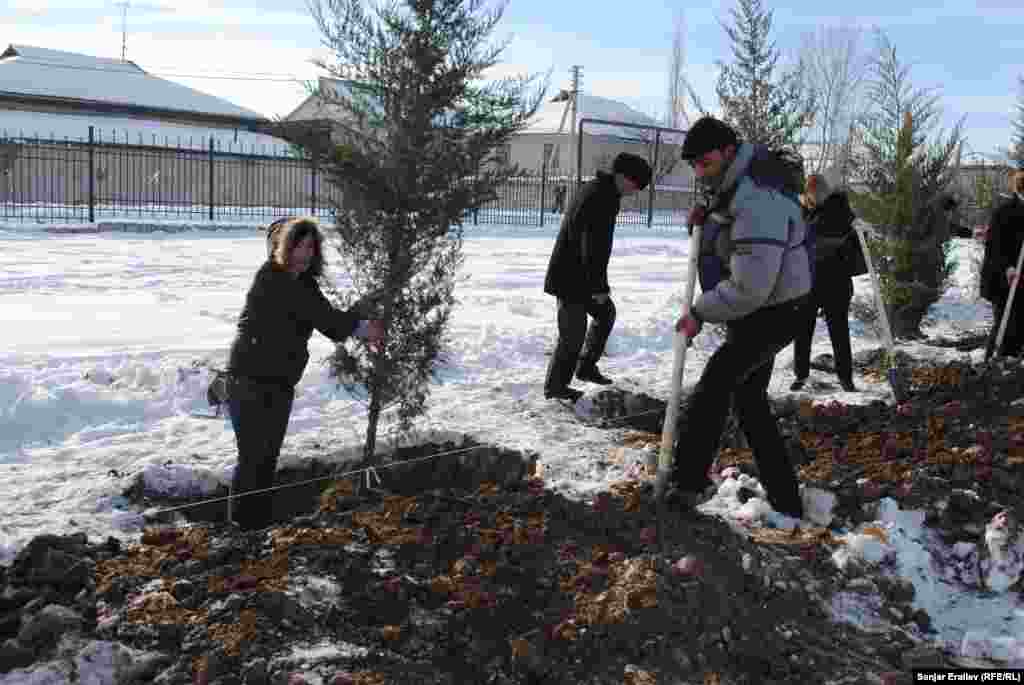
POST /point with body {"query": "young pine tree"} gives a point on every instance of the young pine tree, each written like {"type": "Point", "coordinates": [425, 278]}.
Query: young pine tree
{"type": "Point", "coordinates": [907, 169]}
{"type": "Point", "coordinates": [763, 103]}
{"type": "Point", "coordinates": [417, 133]}
{"type": "Point", "coordinates": [1017, 144]}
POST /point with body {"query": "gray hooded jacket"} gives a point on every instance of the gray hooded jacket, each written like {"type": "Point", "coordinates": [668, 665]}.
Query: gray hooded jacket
{"type": "Point", "coordinates": [762, 245]}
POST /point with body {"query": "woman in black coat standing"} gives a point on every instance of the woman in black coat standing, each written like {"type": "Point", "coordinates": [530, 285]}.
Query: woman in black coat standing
{"type": "Point", "coordinates": [269, 354]}
{"type": "Point", "coordinates": [837, 258]}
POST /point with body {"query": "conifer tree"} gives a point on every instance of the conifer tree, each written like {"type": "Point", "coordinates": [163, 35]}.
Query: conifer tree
{"type": "Point", "coordinates": [907, 167]}
{"type": "Point", "coordinates": [1017, 144]}
{"type": "Point", "coordinates": [416, 148]}
{"type": "Point", "coordinates": [761, 101]}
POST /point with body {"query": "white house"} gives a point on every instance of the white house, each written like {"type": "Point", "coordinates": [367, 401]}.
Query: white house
{"type": "Point", "coordinates": [48, 93]}
{"type": "Point", "coordinates": [548, 134]}
{"type": "Point", "coordinates": [551, 135]}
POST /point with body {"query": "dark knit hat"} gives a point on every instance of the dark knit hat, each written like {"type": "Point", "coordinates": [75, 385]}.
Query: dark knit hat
{"type": "Point", "coordinates": [707, 134]}
{"type": "Point", "coordinates": [634, 167]}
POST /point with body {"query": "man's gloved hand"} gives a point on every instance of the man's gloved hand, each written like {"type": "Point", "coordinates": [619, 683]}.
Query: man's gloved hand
{"type": "Point", "coordinates": [688, 325]}
{"type": "Point", "coordinates": [373, 332]}
{"type": "Point", "coordinates": [600, 298]}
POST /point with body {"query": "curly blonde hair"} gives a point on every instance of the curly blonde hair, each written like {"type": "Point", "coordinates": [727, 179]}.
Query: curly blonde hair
{"type": "Point", "coordinates": [285, 234]}
{"type": "Point", "coordinates": [816, 189]}
{"type": "Point", "coordinates": [1016, 182]}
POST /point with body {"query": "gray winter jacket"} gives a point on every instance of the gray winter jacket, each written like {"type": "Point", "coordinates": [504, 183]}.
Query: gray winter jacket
{"type": "Point", "coordinates": [767, 262]}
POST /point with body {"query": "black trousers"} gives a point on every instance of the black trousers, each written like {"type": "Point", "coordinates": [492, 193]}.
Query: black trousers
{"type": "Point", "coordinates": [574, 335]}
{"type": "Point", "coordinates": [1013, 339]}
{"type": "Point", "coordinates": [259, 414]}
{"type": "Point", "coordinates": [833, 296]}
{"type": "Point", "coordinates": [738, 374]}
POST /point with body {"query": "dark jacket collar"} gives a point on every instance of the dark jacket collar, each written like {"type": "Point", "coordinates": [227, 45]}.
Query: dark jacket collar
{"type": "Point", "coordinates": [604, 178]}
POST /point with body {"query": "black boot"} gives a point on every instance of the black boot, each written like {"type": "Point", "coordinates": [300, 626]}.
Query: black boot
{"type": "Point", "coordinates": [566, 393]}
{"type": "Point", "coordinates": [587, 371]}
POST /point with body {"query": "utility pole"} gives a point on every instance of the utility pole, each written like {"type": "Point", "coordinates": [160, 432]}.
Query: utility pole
{"type": "Point", "coordinates": [574, 100]}
{"type": "Point", "coordinates": [124, 29]}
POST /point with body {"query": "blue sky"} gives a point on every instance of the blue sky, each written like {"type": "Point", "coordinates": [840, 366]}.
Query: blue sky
{"type": "Point", "coordinates": [970, 51]}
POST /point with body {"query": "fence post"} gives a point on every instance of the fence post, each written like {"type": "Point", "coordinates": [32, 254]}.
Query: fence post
{"type": "Point", "coordinates": [543, 190]}
{"type": "Point", "coordinates": [92, 174]}
{"type": "Point", "coordinates": [654, 178]}
{"type": "Point", "coordinates": [476, 209]}
{"type": "Point", "coordinates": [210, 185]}
{"type": "Point", "coordinates": [312, 203]}
{"type": "Point", "coordinates": [579, 159]}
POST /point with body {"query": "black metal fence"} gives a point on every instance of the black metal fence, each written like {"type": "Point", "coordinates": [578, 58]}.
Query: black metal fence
{"type": "Point", "coordinates": [91, 180]}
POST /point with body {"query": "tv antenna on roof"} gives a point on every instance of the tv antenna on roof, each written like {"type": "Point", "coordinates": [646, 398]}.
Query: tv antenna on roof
{"type": "Point", "coordinates": [124, 28]}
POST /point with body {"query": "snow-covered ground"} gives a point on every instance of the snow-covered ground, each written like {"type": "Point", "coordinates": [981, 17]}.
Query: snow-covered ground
{"type": "Point", "coordinates": [97, 380]}
{"type": "Point", "coordinates": [47, 217]}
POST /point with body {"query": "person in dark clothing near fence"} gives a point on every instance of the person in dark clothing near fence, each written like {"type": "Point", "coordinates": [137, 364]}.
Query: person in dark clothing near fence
{"type": "Point", "coordinates": [578, 275]}
{"type": "Point", "coordinates": [755, 277]}
{"type": "Point", "coordinates": [269, 354]}
{"type": "Point", "coordinates": [560, 192]}
{"type": "Point", "coordinates": [950, 206]}
{"type": "Point", "coordinates": [838, 258]}
{"type": "Point", "coordinates": [999, 269]}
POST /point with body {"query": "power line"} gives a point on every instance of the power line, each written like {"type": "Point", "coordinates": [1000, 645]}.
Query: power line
{"type": "Point", "coordinates": [78, 67]}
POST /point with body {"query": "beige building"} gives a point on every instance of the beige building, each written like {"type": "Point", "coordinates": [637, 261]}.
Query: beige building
{"type": "Point", "coordinates": [54, 94]}
{"type": "Point", "coordinates": [154, 143]}
{"type": "Point", "coordinates": [550, 133]}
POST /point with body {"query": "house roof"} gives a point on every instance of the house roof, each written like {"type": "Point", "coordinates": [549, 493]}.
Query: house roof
{"type": "Point", "coordinates": [550, 115]}
{"type": "Point", "coordinates": [42, 73]}
{"type": "Point", "coordinates": [547, 119]}
{"type": "Point", "coordinates": [331, 92]}
{"type": "Point", "coordinates": [137, 131]}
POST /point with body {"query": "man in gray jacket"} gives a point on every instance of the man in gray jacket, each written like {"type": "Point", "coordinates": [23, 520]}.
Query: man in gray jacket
{"type": "Point", "coordinates": [755, 277]}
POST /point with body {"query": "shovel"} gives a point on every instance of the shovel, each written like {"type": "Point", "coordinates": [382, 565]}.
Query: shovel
{"type": "Point", "coordinates": [1009, 303]}
{"type": "Point", "coordinates": [893, 374]}
{"type": "Point", "coordinates": [668, 430]}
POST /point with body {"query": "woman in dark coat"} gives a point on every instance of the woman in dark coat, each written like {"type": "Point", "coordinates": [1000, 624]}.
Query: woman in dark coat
{"type": "Point", "coordinates": [998, 269]}
{"type": "Point", "coordinates": [836, 247]}
{"type": "Point", "coordinates": [269, 354]}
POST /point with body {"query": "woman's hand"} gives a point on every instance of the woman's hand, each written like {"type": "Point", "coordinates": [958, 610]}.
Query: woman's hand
{"type": "Point", "coordinates": [375, 333]}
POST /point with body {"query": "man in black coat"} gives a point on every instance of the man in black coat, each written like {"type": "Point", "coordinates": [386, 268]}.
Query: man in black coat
{"type": "Point", "coordinates": [578, 274]}
{"type": "Point", "coordinates": [998, 269]}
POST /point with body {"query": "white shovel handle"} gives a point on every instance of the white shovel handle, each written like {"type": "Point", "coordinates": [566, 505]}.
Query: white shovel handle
{"type": "Point", "coordinates": [680, 343]}
{"type": "Point", "coordinates": [879, 302]}
{"type": "Point", "coordinates": [1009, 302]}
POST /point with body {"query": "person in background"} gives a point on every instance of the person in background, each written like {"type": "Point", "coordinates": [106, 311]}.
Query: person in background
{"type": "Point", "coordinates": [755, 277]}
{"type": "Point", "coordinates": [949, 205]}
{"type": "Point", "coordinates": [999, 268]}
{"type": "Point", "coordinates": [577, 275]}
{"type": "Point", "coordinates": [269, 354]}
{"type": "Point", "coordinates": [836, 248]}
{"type": "Point", "coordinates": [560, 191]}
